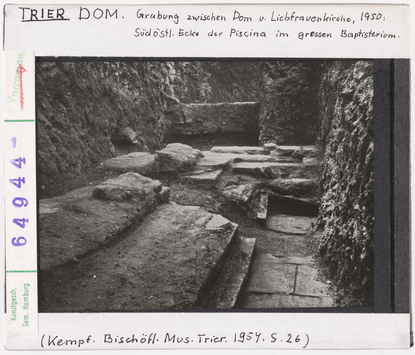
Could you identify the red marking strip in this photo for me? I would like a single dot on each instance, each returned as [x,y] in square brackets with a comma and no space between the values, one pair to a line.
[21,70]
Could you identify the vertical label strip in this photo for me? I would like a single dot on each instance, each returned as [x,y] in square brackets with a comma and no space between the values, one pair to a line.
[20,194]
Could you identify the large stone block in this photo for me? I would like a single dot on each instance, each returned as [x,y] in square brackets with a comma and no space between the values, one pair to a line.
[238,193]
[177,157]
[138,162]
[73,225]
[127,187]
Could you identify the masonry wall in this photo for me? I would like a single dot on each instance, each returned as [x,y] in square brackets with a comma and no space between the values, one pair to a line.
[346,215]
[218,81]
[209,121]
[289,102]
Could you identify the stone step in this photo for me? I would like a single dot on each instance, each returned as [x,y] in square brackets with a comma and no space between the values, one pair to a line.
[295,150]
[240,150]
[275,170]
[215,160]
[259,158]
[224,292]
[289,224]
[227,158]
[165,263]
[202,177]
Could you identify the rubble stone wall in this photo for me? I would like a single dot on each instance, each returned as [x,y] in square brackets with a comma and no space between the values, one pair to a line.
[217,81]
[197,119]
[346,214]
[289,102]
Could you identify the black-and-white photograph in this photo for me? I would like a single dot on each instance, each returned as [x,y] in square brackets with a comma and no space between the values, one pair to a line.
[173,184]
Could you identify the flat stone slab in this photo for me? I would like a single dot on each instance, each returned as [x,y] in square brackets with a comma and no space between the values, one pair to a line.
[73,225]
[270,276]
[308,283]
[139,162]
[163,264]
[212,160]
[215,160]
[307,291]
[203,176]
[218,224]
[289,224]
[273,170]
[327,301]
[266,301]
[259,158]
[240,150]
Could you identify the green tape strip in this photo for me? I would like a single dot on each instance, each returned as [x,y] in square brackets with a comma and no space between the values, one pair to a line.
[19,120]
[14,271]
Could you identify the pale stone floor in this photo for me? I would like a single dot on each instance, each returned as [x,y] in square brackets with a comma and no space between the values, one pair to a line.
[288,280]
